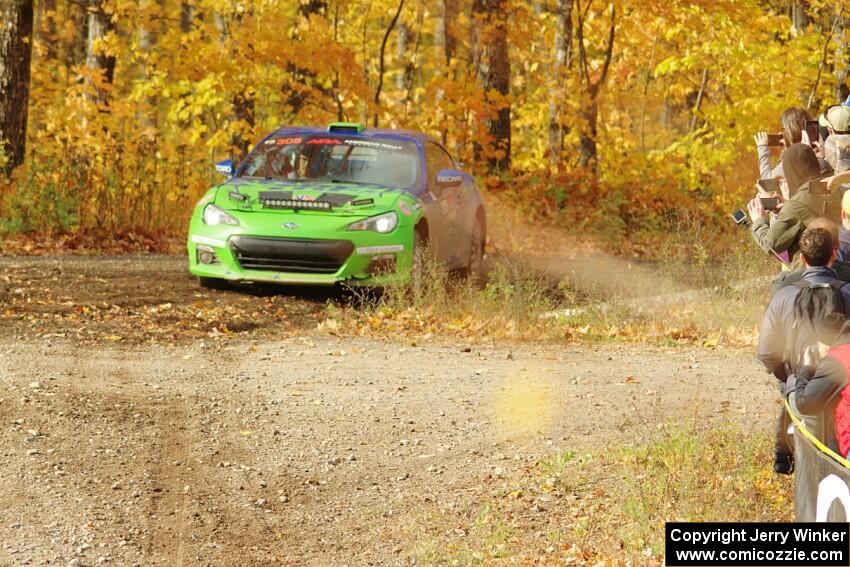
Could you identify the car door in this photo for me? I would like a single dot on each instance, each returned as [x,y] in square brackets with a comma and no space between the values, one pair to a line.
[450,248]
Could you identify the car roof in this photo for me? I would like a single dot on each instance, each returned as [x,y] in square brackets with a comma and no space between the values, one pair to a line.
[384,133]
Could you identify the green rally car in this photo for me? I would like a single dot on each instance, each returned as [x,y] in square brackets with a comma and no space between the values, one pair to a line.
[342,204]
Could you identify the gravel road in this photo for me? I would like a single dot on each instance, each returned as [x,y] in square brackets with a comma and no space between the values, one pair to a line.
[296,448]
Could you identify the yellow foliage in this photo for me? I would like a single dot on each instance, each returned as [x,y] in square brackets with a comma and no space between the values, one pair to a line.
[195,77]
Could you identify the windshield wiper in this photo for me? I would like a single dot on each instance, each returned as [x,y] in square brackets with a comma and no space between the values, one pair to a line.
[353,182]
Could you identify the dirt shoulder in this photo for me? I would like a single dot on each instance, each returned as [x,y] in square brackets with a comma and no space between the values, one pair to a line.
[142,298]
[312,450]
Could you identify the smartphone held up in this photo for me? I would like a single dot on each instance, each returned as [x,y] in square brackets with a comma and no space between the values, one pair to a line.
[813,131]
[770,203]
[769,185]
[775,140]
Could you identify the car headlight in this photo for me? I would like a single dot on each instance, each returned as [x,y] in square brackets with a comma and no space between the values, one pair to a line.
[213,215]
[382,223]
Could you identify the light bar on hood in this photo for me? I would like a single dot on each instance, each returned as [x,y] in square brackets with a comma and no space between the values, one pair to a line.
[296,204]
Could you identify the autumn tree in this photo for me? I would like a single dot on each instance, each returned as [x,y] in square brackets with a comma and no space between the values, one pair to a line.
[560,67]
[381,61]
[593,83]
[800,18]
[494,70]
[98,25]
[16,26]
[502,83]
[445,34]
[301,80]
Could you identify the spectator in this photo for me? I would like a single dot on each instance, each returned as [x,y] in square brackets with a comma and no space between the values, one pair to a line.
[793,122]
[844,235]
[800,208]
[841,268]
[778,336]
[823,393]
[836,146]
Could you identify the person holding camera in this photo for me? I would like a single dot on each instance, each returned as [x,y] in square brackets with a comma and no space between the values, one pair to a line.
[783,347]
[807,197]
[793,121]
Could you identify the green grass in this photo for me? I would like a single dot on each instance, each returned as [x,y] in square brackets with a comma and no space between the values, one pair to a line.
[714,305]
[611,506]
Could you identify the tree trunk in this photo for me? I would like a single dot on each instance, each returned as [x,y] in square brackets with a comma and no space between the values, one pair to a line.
[587,139]
[405,34]
[841,61]
[445,43]
[77,53]
[563,56]
[45,28]
[296,96]
[187,16]
[147,41]
[445,37]
[800,15]
[495,75]
[99,24]
[588,136]
[377,99]
[243,110]
[317,7]
[243,104]
[16,18]
[698,102]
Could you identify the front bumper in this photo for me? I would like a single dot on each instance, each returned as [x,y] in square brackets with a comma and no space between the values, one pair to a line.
[354,257]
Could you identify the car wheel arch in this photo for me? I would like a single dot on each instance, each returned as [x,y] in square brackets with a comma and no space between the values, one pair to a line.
[423,229]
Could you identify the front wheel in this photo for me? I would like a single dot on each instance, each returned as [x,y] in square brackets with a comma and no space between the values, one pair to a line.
[417,270]
[475,266]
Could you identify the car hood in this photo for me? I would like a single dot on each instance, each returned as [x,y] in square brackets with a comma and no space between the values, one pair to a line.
[346,199]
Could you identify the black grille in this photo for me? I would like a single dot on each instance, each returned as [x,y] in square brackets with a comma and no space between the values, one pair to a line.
[292,255]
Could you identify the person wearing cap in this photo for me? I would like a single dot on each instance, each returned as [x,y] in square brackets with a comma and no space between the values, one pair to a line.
[793,122]
[836,145]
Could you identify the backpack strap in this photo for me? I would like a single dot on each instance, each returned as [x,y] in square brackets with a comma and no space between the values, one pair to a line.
[837,285]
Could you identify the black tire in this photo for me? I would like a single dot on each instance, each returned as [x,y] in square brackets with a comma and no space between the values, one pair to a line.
[475,267]
[417,270]
[213,283]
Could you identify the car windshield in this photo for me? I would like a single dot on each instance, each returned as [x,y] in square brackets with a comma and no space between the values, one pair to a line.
[372,161]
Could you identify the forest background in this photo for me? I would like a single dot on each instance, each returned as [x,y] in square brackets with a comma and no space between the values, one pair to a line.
[628,120]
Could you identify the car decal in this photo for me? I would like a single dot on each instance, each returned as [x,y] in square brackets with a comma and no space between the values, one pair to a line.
[376,145]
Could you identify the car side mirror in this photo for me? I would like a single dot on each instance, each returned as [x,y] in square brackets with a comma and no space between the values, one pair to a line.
[225,167]
[448,178]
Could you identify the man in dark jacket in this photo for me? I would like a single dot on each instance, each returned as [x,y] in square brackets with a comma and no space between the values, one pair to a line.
[841,268]
[776,337]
